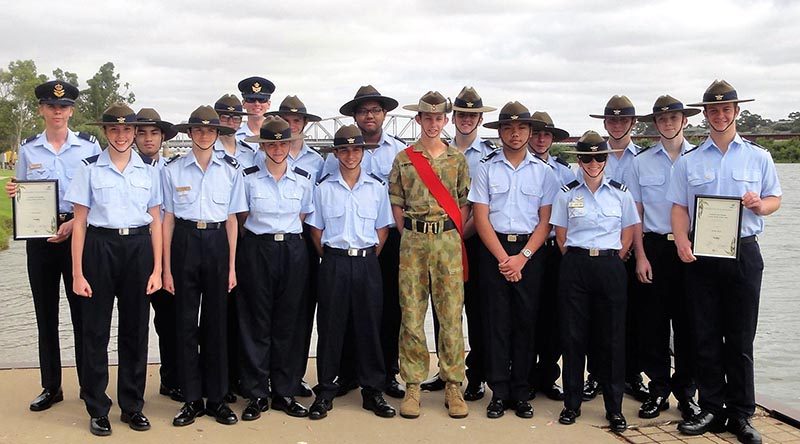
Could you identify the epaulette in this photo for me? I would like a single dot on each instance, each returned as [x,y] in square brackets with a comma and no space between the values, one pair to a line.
[376,177]
[246,145]
[489,156]
[490,144]
[643,150]
[570,186]
[148,160]
[754,144]
[250,170]
[87,137]
[617,185]
[561,161]
[323,178]
[400,140]
[91,159]
[301,172]
[230,160]
[172,159]
[29,139]
[540,159]
[690,150]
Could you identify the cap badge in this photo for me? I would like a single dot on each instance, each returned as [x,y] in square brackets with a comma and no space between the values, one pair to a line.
[230,108]
[719,96]
[206,122]
[664,108]
[514,117]
[278,135]
[433,108]
[351,140]
[256,87]
[294,110]
[58,90]
[121,119]
[469,104]
[593,148]
[617,112]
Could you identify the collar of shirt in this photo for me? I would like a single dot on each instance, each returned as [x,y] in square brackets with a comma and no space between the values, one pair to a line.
[303,151]
[417,146]
[104,160]
[501,157]
[192,160]
[71,140]
[709,142]
[337,176]
[264,173]
[659,148]
[243,131]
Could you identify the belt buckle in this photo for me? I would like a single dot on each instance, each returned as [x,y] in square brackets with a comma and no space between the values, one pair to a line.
[62,217]
[201,225]
[278,237]
[594,252]
[436,228]
[670,237]
[512,237]
[352,252]
[124,231]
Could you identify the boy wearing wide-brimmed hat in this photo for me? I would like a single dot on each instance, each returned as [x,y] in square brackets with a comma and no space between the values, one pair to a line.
[724,293]
[511,197]
[231,112]
[256,93]
[428,188]
[116,251]
[202,194]
[658,266]
[594,220]
[349,226]
[53,154]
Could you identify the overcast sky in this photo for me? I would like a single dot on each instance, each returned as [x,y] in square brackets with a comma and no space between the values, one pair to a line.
[567,58]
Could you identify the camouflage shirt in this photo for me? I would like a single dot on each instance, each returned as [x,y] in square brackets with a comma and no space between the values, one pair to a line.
[407,190]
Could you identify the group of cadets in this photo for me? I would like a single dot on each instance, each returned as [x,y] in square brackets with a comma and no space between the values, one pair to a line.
[241,241]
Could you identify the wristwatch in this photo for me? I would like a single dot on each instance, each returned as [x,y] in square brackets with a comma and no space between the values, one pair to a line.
[527,253]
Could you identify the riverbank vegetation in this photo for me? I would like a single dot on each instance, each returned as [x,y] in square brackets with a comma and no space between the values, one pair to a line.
[5,212]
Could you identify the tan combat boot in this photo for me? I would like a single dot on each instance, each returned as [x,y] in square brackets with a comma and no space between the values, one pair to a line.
[454,401]
[409,407]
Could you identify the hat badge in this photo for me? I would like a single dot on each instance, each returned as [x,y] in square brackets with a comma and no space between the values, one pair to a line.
[58,90]
[278,135]
[230,108]
[617,112]
[206,122]
[719,96]
[470,104]
[351,140]
[294,110]
[593,148]
[514,117]
[664,108]
[256,87]
[433,108]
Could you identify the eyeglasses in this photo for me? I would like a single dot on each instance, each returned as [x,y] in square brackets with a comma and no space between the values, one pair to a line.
[587,158]
[364,111]
[254,100]
[229,118]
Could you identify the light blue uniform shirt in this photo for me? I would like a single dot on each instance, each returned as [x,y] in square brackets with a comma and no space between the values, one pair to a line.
[39,161]
[381,159]
[242,133]
[116,199]
[244,153]
[594,220]
[275,207]
[193,194]
[616,169]
[648,181]
[563,172]
[514,196]
[474,153]
[308,160]
[744,167]
[350,218]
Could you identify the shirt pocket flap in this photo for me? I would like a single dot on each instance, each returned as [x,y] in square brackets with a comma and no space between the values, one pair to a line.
[220,197]
[367,212]
[658,179]
[700,177]
[746,175]
[142,182]
[498,186]
[333,210]
[614,211]
[530,189]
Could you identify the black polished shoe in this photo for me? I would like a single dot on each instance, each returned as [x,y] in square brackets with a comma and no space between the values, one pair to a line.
[135,420]
[188,413]
[523,409]
[555,392]
[305,390]
[474,391]
[375,403]
[222,413]
[174,394]
[346,386]
[230,398]
[46,399]
[702,423]
[254,409]
[653,407]
[100,426]
[394,389]
[496,408]
[638,390]
[434,384]
[616,422]
[568,416]
[288,405]
[590,389]
[744,430]
[319,408]
[688,408]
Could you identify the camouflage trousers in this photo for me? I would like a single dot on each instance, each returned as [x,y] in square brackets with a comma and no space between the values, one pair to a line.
[430,264]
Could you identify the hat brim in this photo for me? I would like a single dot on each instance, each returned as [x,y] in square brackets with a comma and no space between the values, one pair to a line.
[309,117]
[120,123]
[258,139]
[606,151]
[558,133]
[63,102]
[330,149]
[603,116]
[349,108]
[185,127]
[415,107]
[483,109]
[233,113]
[537,124]
[721,101]
[688,112]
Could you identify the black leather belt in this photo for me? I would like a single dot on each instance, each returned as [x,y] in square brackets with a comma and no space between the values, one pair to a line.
[513,238]
[593,252]
[277,237]
[664,237]
[65,217]
[421,226]
[199,225]
[551,242]
[351,252]
[748,239]
[145,229]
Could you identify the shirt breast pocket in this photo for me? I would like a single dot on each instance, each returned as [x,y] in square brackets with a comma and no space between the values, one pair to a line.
[261,202]
[290,204]
[40,171]
[140,190]
[498,187]
[611,218]
[652,187]
[701,180]
[578,216]
[221,198]
[747,180]
[184,199]
[334,217]
[368,214]
[104,191]
[532,198]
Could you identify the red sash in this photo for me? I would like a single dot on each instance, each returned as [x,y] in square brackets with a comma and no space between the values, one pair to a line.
[442,196]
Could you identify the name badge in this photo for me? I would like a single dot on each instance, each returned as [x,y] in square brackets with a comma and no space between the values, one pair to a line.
[576,203]
[183,189]
[34,166]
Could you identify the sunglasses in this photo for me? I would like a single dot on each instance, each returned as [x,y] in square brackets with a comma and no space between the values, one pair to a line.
[254,100]
[586,158]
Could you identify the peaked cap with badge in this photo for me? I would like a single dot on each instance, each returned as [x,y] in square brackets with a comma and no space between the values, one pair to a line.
[293,105]
[348,136]
[273,129]
[117,114]
[367,93]
[431,102]
[617,106]
[56,92]
[204,116]
[149,116]
[515,112]
[558,133]
[720,91]
[231,105]
[592,143]
[256,88]
[668,104]
[468,101]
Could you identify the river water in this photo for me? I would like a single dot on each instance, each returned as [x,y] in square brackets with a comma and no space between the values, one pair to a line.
[777,345]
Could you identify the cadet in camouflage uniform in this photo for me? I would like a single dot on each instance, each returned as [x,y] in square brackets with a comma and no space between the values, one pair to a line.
[430,259]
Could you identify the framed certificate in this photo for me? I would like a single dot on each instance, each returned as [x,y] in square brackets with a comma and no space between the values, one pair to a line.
[716,226]
[35,209]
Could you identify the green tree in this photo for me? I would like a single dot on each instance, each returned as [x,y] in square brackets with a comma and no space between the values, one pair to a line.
[21,107]
[103,90]
[749,122]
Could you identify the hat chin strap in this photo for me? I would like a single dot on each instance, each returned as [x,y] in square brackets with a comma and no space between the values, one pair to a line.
[111,144]
[668,138]
[630,127]
[275,161]
[206,148]
[724,129]
[474,128]
[596,175]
